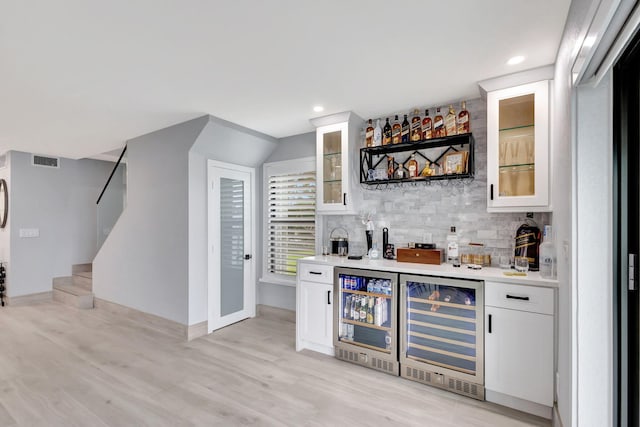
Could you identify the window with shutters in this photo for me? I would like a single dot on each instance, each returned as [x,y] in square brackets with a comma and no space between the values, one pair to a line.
[290,216]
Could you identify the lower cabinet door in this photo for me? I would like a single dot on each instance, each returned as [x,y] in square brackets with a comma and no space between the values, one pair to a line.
[519,354]
[316,322]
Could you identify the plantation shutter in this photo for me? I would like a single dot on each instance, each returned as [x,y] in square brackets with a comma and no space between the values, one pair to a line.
[292,220]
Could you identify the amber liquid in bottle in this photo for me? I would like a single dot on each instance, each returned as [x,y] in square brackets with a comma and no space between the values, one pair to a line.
[464,120]
[386,133]
[404,134]
[438,125]
[450,125]
[427,126]
[412,166]
[416,126]
[391,167]
[396,130]
[368,134]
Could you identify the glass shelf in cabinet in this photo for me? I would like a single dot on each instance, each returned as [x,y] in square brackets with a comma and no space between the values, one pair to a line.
[372,294]
[516,127]
[333,154]
[332,181]
[523,166]
[366,325]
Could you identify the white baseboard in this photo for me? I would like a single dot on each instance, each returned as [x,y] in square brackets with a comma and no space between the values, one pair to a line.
[30,299]
[197,330]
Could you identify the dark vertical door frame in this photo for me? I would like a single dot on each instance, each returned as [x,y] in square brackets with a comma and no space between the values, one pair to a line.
[626,223]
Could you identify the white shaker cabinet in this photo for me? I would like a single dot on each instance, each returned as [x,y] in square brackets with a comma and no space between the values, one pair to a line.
[314,308]
[337,170]
[518,162]
[519,345]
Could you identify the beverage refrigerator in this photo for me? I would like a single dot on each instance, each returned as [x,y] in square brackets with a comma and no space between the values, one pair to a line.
[441,333]
[365,313]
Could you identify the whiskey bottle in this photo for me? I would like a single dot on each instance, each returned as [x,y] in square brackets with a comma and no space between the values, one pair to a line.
[401,173]
[368,135]
[396,129]
[416,126]
[404,135]
[377,134]
[412,166]
[386,133]
[438,125]
[426,171]
[464,120]
[450,126]
[427,126]
[391,167]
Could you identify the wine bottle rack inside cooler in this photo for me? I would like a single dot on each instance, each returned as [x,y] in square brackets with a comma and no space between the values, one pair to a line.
[371,340]
[441,333]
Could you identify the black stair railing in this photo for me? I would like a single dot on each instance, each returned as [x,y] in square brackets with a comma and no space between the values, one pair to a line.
[106,185]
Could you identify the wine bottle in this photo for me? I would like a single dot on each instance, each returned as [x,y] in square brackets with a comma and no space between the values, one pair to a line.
[404,134]
[464,120]
[377,134]
[368,134]
[450,126]
[386,133]
[396,130]
[438,125]
[427,126]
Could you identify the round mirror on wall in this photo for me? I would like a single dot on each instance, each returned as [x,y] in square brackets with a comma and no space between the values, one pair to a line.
[4,203]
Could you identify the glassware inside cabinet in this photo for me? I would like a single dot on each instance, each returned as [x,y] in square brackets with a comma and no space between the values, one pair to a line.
[332,167]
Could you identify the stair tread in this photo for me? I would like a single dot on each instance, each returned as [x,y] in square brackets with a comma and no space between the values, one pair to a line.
[72,289]
[87,274]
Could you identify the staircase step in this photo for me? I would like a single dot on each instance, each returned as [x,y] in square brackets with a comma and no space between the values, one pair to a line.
[66,292]
[79,268]
[83,281]
[87,274]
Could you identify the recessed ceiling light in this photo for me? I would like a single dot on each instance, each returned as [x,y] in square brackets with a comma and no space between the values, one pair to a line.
[318,108]
[515,60]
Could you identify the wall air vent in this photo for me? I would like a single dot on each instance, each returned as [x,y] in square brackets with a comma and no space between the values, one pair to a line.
[46,162]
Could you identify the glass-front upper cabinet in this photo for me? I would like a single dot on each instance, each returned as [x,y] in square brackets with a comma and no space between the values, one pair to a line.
[518,148]
[335,150]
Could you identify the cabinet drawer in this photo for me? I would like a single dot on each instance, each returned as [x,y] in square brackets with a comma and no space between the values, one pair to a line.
[519,297]
[316,273]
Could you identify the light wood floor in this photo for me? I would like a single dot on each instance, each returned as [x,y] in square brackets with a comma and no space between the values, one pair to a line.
[61,366]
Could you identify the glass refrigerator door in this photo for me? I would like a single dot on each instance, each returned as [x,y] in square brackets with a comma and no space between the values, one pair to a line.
[444,325]
[366,311]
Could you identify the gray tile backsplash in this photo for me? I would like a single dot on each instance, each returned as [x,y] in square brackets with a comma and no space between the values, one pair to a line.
[425,212]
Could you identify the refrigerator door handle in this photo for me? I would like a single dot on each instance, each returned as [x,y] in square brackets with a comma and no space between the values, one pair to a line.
[489,323]
[329,297]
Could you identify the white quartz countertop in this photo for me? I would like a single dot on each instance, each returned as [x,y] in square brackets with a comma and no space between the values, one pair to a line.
[444,270]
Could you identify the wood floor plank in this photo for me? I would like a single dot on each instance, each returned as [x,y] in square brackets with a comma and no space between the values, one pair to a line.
[63,366]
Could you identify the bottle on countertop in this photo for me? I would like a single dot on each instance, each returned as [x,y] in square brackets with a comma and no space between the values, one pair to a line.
[427,126]
[450,125]
[396,130]
[386,133]
[464,120]
[377,134]
[548,260]
[416,126]
[368,134]
[438,125]
[412,167]
[453,256]
[404,132]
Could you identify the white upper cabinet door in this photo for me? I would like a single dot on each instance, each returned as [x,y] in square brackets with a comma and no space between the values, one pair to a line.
[518,148]
[332,154]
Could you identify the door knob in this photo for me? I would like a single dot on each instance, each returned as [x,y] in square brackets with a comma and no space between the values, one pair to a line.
[247,256]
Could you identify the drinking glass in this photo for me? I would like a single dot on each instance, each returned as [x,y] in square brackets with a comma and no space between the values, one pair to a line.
[522,264]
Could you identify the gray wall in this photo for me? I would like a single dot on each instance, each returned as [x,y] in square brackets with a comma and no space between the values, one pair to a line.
[61,203]
[143,264]
[293,147]
[415,213]
[225,142]
[5,233]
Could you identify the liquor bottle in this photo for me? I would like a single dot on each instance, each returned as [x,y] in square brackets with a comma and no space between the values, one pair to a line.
[391,167]
[450,126]
[386,133]
[370,310]
[355,308]
[412,166]
[438,125]
[396,130]
[363,309]
[404,134]
[347,307]
[464,120]
[368,135]
[426,171]
[401,173]
[416,126]
[548,259]
[377,134]
[453,256]
[427,126]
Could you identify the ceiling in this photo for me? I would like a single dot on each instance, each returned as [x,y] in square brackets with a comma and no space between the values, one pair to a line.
[79,78]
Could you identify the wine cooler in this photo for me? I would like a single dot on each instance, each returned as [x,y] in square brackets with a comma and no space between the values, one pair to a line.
[365,326]
[441,333]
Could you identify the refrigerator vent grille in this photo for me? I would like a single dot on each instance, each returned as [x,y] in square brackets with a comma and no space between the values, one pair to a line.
[464,387]
[442,380]
[382,365]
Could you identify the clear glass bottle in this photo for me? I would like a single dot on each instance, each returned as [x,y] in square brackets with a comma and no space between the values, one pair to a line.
[453,256]
[377,134]
[548,260]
